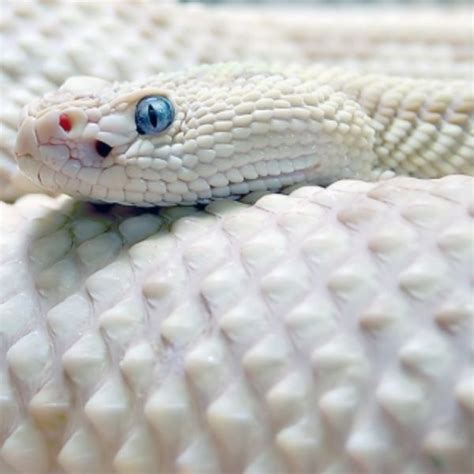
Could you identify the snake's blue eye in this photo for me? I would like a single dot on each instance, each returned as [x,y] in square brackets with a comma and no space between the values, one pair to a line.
[153,115]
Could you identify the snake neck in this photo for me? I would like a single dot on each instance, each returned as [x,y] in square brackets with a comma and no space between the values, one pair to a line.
[422,128]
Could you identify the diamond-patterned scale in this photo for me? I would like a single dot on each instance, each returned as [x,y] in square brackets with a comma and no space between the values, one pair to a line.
[241,338]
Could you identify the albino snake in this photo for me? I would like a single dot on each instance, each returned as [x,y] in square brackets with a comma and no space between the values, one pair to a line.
[324,331]
[228,129]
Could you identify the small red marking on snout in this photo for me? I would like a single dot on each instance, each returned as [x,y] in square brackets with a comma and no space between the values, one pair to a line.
[65,122]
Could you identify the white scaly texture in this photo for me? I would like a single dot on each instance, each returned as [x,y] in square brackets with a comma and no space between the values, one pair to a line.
[325,331]
[244,127]
[45,42]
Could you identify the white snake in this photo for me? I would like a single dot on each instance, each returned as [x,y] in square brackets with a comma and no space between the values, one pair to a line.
[326,331]
[238,128]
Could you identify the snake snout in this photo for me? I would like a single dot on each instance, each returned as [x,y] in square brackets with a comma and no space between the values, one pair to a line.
[26,141]
[38,159]
[43,139]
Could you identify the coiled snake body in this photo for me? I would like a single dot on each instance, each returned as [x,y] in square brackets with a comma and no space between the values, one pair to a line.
[323,330]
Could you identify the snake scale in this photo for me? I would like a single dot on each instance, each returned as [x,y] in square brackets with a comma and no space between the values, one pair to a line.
[324,329]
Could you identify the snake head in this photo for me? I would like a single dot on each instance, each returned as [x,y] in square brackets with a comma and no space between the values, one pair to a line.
[87,139]
[181,138]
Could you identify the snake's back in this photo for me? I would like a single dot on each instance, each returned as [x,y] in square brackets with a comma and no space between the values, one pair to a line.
[326,331]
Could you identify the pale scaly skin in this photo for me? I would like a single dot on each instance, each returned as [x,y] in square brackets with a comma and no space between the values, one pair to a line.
[326,331]
[245,127]
[45,42]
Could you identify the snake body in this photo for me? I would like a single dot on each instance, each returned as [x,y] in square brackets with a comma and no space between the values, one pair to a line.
[323,330]
[326,331]
[239,128]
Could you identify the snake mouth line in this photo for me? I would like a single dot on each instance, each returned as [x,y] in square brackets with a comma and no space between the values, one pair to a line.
[86,185]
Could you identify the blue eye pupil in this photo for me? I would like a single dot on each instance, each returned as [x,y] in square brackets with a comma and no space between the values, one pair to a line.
[153,115]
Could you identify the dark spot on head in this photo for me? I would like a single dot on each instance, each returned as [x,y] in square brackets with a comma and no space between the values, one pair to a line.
[102,148]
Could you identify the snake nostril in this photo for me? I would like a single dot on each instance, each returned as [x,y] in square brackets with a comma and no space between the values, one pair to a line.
[102,148]
[65,122]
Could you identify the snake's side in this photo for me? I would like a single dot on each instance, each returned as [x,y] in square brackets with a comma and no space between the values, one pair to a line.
[325,331]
